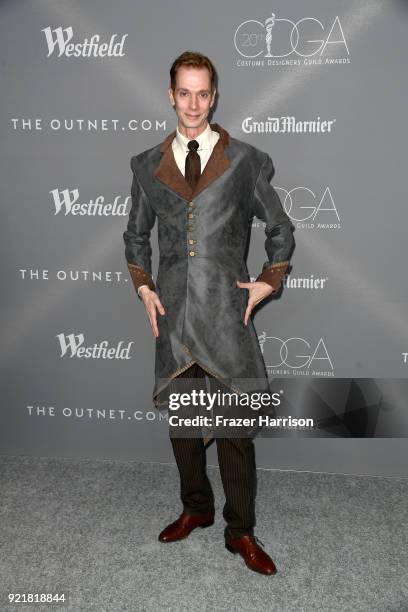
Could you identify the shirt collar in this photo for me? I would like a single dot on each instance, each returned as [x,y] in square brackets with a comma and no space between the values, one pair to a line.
[204,139]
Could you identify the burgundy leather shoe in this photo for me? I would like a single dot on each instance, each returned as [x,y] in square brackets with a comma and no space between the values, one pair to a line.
[184,525]
[255,558]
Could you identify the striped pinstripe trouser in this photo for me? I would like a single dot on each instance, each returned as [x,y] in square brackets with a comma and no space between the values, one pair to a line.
[236,459]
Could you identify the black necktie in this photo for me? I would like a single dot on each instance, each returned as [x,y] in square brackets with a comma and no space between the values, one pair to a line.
[193,164]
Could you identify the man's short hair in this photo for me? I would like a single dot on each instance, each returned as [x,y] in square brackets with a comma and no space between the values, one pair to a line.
[192,59]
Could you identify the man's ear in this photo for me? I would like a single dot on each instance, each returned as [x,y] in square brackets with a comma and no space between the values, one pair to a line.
[171,97]
[213,97]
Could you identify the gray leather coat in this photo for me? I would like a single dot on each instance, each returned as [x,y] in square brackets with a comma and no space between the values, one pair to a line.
[202,238]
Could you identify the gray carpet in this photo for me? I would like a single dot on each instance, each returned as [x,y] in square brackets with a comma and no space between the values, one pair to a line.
[90,528]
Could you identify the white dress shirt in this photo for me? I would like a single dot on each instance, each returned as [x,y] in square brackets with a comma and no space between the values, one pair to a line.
[206,142]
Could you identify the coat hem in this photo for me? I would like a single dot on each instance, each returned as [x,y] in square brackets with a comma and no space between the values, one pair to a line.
[207,440]
[172,376]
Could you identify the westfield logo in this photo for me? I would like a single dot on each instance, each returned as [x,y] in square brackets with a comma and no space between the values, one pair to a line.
[59,40]
[72,345]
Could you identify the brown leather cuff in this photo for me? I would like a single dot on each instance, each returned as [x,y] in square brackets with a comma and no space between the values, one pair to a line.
[273,275]
[140,277]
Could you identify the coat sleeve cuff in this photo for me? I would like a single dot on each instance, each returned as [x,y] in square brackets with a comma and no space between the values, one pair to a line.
[140,277]
[273,275]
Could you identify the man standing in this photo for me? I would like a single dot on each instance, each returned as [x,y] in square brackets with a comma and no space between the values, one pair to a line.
[204,187]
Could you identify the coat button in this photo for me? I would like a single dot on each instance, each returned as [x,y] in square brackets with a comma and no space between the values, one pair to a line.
[192,253]
[191,204]
[190,215]
[191,241]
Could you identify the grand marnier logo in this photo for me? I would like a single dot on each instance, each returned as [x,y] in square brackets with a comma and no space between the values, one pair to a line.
[295,356]
[280,41]
[311,282]
[60,39]
[72,345]
[68,201]
[287,125]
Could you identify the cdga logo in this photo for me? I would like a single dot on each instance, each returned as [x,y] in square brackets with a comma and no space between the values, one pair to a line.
[296,354]
[281,37]
[310,210]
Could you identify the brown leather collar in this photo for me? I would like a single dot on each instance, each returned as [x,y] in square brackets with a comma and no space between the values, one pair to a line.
[169,173]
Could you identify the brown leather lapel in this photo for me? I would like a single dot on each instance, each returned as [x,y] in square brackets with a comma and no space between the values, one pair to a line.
[218,162]
[168,171]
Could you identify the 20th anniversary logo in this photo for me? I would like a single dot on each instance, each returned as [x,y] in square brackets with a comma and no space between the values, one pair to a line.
[279,41]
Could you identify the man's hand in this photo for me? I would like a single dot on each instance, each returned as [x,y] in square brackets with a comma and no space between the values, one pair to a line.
[257,292]
[152,302]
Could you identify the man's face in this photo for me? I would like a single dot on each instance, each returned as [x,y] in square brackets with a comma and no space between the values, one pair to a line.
[192,98]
